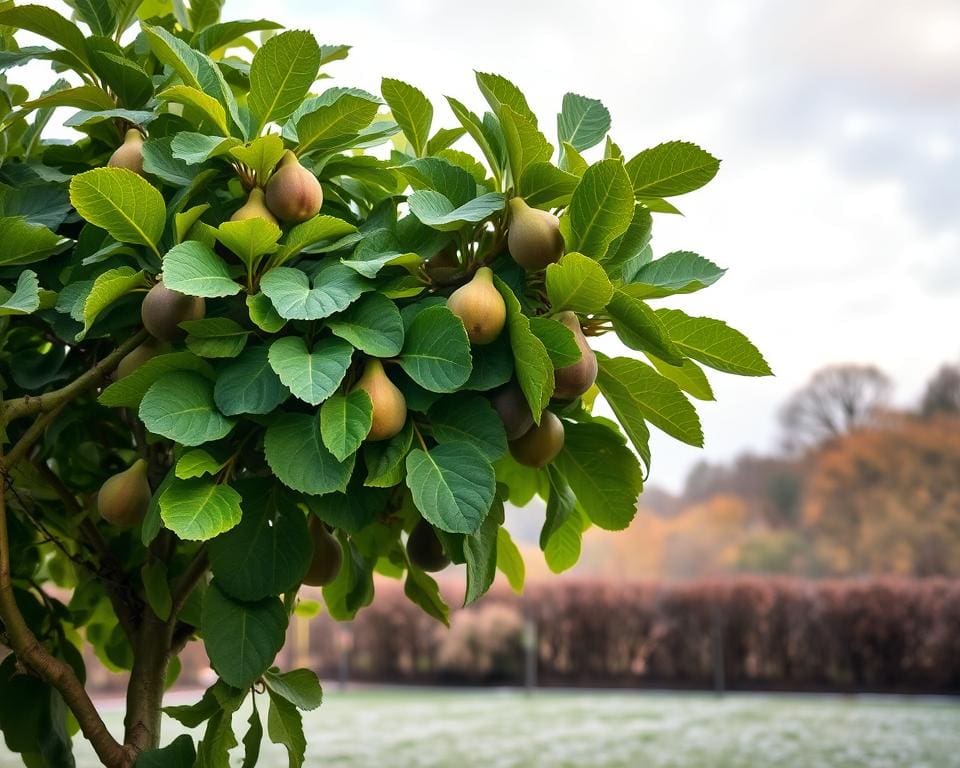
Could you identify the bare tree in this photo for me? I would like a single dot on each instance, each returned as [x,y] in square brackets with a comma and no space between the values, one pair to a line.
[836,400]
[943,392]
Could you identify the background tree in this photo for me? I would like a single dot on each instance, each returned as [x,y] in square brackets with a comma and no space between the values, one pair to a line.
[942,394]
[241,353]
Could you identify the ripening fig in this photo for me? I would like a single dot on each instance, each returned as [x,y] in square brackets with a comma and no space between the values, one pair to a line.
[511,406]
[389,404]
[480,306]
[254,207]
[533,236]
[327,556]
[425,549]
[139,355]
[164,309]
[129,155]
[293,193]
[124,497]
[541,443]
[573,380]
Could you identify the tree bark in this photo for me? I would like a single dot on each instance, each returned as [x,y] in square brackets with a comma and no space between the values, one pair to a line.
[151,659]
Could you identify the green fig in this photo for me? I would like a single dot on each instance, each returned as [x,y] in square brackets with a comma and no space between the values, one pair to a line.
[511,406]
[541,443]
[571,381]
[123,498]
[139,355]
[327,556]
[533,236]
[480,306]
[254,207]
[293,193]
[425,549]
[389,404]
[129,155]
[164,309]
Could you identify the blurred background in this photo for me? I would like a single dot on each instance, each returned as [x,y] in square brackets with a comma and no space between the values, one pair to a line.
[814,543]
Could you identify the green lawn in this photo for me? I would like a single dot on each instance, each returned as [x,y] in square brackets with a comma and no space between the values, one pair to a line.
[425,728]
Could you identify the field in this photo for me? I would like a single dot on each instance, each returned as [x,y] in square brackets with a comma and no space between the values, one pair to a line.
[427,729]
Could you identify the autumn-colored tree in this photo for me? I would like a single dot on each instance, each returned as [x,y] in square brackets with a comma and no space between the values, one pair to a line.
[942,394]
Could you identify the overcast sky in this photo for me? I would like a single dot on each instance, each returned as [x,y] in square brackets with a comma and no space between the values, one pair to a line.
[837,205]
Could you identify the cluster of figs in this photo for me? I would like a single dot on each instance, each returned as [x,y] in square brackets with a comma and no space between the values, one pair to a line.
[292,194]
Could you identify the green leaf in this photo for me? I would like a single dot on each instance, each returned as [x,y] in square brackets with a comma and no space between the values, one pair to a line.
[578,283]
[335,287]
[671,169]
[128,80]
[249,239]
[510,561]
[107,288]
[525,144]
[470,419]
[453,486]
[157,590]
[688,376]
[260,155]
[199,509]
[500,92]
[436,211]
[473,126]
[215,337]
[159,161]
[50,24]
[480,552]
[454,183]
[252,740]
[492,365]
[263,315]
[99,15]
[372,324]
[545,186]
[269,552]
[334,120]
[208,107]
[197,463]
[436,350]
[311,376]
[561,535]
[582,122]
[309,233]
[601,208]
[281,74]
[639,328]
[412,111]
[423,590]
[129,391]
[25,243]
[241,639]
[180,406]
[298,457]
[285,726]
[631,387]
[24,299]
[196,148]
[677,272]
[532,360]
[377,250]
[626,251]
[345,421]
[714,343]
[121,202]
[219,35]
[557,339]
[602,472]
[301,687]
[194,269]
[352,589]
[249,384]
[385,459]
[179,753]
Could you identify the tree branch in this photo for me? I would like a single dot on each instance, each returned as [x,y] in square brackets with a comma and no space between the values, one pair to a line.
[188,580]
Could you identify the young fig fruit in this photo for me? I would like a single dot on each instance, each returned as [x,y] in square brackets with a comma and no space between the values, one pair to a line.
[512,408]
[389,404]
[139,355]
[163,310]
[129,155]
[293,193]
[327,556]
[124,497]
[424,548]
[480,306]
[254,207]
[533,236]
[571,381]
[541,443]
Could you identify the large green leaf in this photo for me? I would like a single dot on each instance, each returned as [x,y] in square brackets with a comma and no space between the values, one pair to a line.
[241,639]
[582,122]
[199,508]
[215,337]
[194,269]
[525,144]
[688,376]
[24,299]
[107,288]
[345,421]
[558,340]
[500,92]
[453,485]
[312,375]
[129,391]
[471,419]
[281,74]
[249,239]
[639,328]
[179,753]
[532,360]
[422,590]
[50,24]
[269,552]
[677,272]
[180,406]
[309,233]
[480,552]
[603,474]
[436,211]
[411,109]
[334,119]
[673,168]
[298,457]
[510,560]
[714,343]
[372,324]
[121,202]
[207,107]
[26,243]
[601,208]
[334,289]
[285,727]
[300,687]
[436,350]
[578,283]
[249,384]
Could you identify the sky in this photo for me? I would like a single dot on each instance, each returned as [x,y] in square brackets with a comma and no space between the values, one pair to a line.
[837,205]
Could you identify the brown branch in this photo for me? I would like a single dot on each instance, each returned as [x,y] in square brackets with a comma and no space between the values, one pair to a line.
[188,581]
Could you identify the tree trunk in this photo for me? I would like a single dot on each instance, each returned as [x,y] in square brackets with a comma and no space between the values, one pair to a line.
[151,657]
